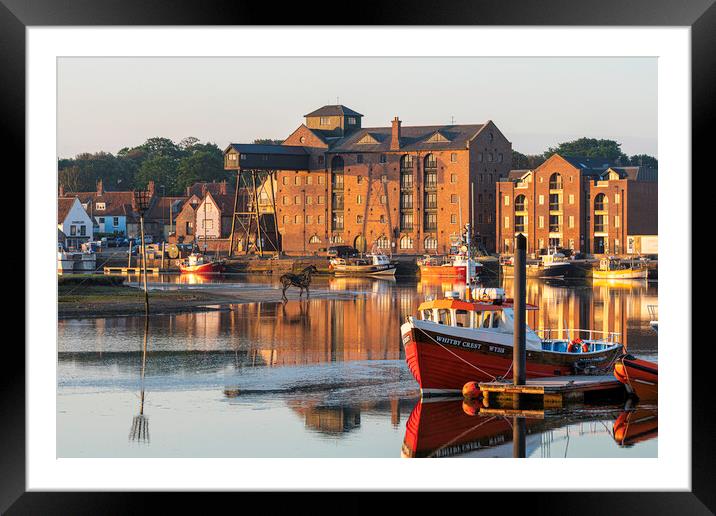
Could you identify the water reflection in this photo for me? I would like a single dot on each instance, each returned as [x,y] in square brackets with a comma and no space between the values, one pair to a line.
[453,428]
[636,425]
[140,423]
[332,365]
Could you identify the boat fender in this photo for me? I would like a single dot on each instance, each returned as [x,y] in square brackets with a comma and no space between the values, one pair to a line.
[585,347]
[471,390]
[574,345]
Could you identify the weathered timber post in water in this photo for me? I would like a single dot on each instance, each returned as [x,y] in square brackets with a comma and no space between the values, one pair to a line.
[142,199]
[519,351]
[519,437]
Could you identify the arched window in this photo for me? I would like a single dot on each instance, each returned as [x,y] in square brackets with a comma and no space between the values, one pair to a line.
[406,242]
[600,202]
[520,203]
[431,243]
[337,173]
[314,240]
[431,161]
[337,239]
[555,181]
[360,244]
[382,242]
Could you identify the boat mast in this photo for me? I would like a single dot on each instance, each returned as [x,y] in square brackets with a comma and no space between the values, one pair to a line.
[468,294]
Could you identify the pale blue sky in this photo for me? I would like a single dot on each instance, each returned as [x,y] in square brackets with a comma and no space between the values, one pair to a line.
[109,103]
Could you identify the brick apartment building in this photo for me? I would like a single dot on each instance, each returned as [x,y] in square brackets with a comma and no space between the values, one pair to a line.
[585,204]
[402,188]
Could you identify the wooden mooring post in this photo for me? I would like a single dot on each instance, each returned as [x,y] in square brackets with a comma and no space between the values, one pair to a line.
[519,351]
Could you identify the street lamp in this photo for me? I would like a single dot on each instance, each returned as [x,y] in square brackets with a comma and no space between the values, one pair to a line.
[142,199]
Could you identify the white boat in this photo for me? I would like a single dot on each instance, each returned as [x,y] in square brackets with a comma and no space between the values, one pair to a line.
[75,261]
[374,264]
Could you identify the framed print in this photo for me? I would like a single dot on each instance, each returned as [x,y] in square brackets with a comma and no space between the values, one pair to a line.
[294,255]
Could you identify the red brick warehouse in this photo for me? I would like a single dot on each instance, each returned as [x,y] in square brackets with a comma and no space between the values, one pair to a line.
[403,188]
[588,205]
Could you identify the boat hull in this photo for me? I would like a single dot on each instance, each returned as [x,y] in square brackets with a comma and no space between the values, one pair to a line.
[640,376]
[443,364]
[203,268]
[554,271]
[446,271]
[621,274]
[364,270]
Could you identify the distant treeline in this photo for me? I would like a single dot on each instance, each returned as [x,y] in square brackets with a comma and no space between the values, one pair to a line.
[587,148]
[174,166]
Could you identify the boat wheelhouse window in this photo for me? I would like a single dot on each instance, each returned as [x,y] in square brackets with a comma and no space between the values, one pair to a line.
[476,319]
[444,316]
[486,320]
[427,315]
[462,318]
[495,320]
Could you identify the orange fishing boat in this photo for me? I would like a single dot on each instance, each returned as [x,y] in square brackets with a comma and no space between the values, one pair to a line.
[640,377]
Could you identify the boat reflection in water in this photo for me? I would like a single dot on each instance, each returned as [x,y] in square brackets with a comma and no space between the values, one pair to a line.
[457,428]
[636,425]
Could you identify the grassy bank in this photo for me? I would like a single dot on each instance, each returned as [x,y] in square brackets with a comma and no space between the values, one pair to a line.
[75,299]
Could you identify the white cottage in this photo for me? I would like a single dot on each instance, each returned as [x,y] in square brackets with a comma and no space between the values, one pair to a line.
[73,221]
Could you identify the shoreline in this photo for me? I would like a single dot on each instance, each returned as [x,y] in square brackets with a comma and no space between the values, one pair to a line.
[127,301]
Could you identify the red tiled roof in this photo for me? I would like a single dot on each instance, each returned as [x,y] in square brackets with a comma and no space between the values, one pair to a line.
[64,205]
[116,203]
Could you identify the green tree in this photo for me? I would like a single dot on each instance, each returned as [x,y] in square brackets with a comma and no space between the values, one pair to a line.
[644,160]
[267,141]
[590,148]
[160,169]
[202,165]
[526,161]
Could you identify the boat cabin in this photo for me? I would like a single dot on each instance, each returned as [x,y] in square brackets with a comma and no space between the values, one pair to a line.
[493,313]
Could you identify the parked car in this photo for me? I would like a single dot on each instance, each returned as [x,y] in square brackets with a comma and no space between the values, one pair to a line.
[342,251]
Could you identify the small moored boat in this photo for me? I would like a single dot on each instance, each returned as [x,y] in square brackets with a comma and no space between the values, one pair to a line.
[551,265]
[197,263]
[454,267]
[611,268]
[375,264]
[451,342]
[640,377]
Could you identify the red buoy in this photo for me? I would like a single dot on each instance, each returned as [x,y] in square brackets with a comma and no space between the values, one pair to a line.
[471,406]
[471,390]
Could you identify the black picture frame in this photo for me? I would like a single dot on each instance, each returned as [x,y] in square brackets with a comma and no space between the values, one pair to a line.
[16,15]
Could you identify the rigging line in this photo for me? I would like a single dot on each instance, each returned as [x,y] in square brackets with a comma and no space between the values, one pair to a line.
[460,435]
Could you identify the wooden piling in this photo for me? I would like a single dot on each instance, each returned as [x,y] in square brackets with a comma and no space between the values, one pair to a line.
[519,351]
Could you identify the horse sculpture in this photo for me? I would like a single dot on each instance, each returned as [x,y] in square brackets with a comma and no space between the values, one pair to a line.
[301,280]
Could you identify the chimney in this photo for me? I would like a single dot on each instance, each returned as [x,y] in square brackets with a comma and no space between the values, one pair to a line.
[223,187]
[395,136]
[62,190]
[150,188]
[100,188]
[203,189]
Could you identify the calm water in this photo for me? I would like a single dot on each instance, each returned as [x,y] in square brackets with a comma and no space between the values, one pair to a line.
[321,378]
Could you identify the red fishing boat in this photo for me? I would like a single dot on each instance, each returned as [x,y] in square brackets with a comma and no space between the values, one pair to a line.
[641,377]
[451,342]
[199,264]
[443,429]
[454,267]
